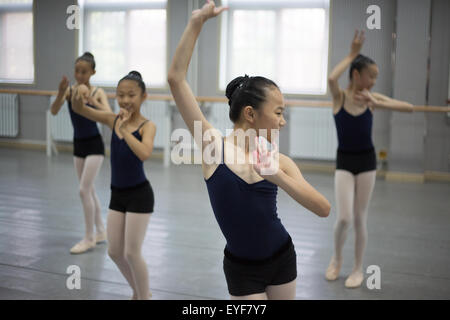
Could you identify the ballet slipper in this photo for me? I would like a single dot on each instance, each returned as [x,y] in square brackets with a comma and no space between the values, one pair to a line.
[333,270]
[354,280]
[82,247]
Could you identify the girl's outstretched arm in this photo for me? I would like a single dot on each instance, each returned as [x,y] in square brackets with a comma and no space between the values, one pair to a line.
[80,95]
[379,101]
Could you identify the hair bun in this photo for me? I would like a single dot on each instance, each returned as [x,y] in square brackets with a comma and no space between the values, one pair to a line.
[234,85]
[135,74]
[88,54]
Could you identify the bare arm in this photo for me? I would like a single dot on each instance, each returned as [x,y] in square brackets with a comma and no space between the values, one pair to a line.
[292,181]
[181,91]
[379,101]
[78,105]
[142,149]
[100,101]
[282,171]
[384,102]
[63,91]
[357,43]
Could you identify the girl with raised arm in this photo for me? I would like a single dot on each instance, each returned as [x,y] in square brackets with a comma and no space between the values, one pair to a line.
[356,160]
[88,148]
[132,196]
[259,258]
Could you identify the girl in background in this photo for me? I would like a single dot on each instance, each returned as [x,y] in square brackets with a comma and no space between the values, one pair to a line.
[88,148]
[356,160]
[132,196]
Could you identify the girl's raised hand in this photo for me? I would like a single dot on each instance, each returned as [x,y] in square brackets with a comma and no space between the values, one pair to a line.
[63,85]
[83,91]
[265,163]
[208,11]
[77,100]
[357,42]
[93,101]
[365,97]
[124,117]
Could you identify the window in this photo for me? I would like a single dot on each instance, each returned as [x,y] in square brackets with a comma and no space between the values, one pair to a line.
[16,41]
[286,41]
[125,36]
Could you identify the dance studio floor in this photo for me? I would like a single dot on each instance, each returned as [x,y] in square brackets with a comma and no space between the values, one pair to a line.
[41,219]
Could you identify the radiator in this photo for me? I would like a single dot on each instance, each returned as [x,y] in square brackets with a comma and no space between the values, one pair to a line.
[312,133]
[158,112]
[60,125]
[9,115]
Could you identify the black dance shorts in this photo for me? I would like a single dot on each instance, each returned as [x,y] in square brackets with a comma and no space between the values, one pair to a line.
[357,162]
[137,199]
[88,146]
[245,277]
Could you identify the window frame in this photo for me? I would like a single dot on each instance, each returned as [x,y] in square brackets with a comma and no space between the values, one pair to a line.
[224,29]
[122,6]
[21,7]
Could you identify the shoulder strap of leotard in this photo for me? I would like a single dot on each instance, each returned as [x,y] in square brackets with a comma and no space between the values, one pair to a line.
[93,93]
[223,150]
[139,128]
[70,93]
[114,125]
[343,98]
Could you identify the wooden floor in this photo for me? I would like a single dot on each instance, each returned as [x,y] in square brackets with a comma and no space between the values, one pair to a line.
[41,219]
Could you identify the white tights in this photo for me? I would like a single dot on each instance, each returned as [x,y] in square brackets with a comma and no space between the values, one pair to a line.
[87,170]
[353,194]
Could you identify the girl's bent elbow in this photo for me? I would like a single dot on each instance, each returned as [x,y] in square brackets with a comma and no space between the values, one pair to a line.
[145,156]
[325,212]
[173,78]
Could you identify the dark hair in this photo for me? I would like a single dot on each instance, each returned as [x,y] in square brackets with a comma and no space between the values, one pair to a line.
[88,57]
[135,76]
[359,63]
[246,91]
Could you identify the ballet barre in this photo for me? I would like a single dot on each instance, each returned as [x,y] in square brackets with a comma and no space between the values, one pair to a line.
[205,99]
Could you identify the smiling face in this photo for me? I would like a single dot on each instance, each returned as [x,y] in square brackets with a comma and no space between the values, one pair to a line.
[83,71]
[367,78]
[130,96]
